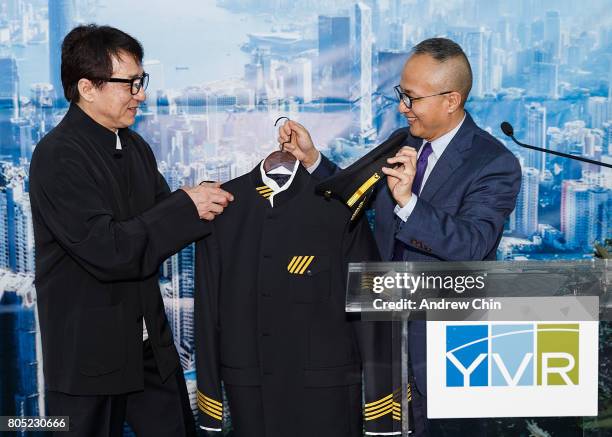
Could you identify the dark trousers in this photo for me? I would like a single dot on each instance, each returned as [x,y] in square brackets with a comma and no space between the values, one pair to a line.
[160,410]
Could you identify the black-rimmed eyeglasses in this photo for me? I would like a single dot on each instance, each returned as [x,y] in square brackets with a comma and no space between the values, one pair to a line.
[402,96]
[136,84]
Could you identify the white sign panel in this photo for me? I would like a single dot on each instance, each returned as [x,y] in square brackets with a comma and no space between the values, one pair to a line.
[511,369]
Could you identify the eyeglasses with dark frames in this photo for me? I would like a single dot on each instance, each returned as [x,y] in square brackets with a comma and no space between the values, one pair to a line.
[136,83]
[404,97]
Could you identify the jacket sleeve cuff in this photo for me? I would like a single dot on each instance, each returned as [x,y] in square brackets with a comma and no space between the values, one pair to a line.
[211,412]
[174,222]
[405,211]
[325,169]
[314,166]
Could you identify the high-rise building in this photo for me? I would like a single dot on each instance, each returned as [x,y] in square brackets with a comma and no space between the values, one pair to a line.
[22,136]
[600,214]
[22,388]
[7,231]
[610,92]
[607,139]
[24,235]
[597,108]
[536,135]
[186,346]
[301,80]
[9,100]
[219,169]
[525,214]
[186,268]
[61,16]
[552,34]
[544,79]
[475,48]
[575,213]
[9,86]
[363,66]
[334,65]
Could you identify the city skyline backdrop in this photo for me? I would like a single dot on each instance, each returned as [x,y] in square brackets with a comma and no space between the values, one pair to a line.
[222,72]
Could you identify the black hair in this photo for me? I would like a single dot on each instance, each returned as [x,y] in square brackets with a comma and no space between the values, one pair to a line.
[444,49]
[88,51]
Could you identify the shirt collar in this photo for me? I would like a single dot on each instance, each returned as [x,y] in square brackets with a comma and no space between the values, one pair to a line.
[272,183]
[86,125]
[439,145]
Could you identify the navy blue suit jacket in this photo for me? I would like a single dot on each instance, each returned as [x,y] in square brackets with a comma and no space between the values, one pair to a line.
[459,215]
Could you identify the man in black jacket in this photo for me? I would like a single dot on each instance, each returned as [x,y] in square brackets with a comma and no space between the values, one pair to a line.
[104,220]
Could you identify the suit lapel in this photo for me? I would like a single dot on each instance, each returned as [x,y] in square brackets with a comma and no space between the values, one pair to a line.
[451,159]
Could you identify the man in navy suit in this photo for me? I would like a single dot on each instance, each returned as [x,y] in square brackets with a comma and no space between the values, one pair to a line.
[449,189]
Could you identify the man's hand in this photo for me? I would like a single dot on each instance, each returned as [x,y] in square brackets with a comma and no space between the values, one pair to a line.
[401,177]
[209,198]
[301,145]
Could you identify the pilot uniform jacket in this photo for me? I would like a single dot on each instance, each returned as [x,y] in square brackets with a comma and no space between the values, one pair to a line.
[104,220]
[270,318]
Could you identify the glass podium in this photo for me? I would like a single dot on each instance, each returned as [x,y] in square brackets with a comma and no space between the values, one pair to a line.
[512,340]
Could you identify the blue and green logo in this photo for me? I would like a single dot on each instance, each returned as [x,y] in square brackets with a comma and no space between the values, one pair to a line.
[530,354]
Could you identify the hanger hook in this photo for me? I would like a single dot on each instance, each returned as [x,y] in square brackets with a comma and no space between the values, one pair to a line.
[282,146]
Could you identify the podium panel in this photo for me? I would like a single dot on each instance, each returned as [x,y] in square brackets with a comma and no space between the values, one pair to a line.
[499,339]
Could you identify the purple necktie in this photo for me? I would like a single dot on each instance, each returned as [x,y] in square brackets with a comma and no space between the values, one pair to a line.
[420,168]
[398,249]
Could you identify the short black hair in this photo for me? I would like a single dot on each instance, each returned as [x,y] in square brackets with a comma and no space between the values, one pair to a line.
[88,51]
[443,50]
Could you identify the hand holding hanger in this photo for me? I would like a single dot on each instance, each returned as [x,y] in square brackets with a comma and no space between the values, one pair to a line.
[296,140]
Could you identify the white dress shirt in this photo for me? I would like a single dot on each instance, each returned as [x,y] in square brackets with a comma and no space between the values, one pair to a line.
[272,183]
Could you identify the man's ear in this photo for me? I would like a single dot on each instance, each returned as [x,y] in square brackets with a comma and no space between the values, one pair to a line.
[87,90]
[454,101]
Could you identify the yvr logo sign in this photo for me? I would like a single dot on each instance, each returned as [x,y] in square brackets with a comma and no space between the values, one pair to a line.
[526,354]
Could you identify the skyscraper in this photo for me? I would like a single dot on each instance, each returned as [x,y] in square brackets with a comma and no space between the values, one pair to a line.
[22,388]
[597,108]
[536,135]
[7,231]
[363,66]
[600,214]
[301,80]
[575,213]
[22,136]
[610,93]
[544,79]
[607,140]
[9,85]
[552,34]
[334,66]
[526,211]
[24,235]
[475,47]
[61,15]
[9,100]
